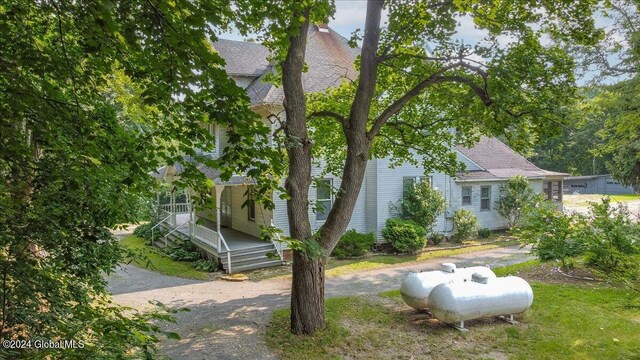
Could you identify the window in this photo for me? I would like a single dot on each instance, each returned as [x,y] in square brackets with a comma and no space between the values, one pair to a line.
[251,205]
[409,181]
[485,198]
[324,199]
[211,128]
[466,195]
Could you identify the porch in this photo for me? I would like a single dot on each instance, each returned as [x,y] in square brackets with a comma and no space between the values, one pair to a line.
[235,239]
[227,230]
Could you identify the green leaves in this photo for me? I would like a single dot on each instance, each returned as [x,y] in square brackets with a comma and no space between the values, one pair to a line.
[95,97]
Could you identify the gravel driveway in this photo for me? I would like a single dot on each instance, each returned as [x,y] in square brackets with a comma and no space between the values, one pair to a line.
[227,319]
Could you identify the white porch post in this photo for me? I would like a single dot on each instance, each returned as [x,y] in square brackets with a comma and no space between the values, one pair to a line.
[219,189]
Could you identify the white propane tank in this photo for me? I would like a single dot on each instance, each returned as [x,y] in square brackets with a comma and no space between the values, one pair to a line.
[456,302]
[415,287]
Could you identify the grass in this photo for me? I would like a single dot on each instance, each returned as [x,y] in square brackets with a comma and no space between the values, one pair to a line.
[584,199]
[565,322]
[336,267]
[154,259]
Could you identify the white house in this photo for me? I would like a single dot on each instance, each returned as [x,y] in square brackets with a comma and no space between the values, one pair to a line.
[233,238]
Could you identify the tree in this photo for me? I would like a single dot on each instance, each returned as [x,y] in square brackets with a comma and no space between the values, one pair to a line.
[515,197]
[423,204]
[96,95]
[602,135]
[614,108]
[407,99]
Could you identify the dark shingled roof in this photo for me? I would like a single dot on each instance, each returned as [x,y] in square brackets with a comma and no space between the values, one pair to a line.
[329,60]
[499,161]
[243,58]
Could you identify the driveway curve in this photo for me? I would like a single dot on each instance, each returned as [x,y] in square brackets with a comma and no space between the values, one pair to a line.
[227,319]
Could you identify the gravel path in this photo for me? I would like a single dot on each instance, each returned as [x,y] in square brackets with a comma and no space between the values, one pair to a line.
[226,319]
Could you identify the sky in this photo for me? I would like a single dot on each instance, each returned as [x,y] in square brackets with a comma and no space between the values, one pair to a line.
[350,15]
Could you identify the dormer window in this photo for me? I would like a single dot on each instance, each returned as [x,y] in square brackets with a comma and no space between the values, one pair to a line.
[323,28]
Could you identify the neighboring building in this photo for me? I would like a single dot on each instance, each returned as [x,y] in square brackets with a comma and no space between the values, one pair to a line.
[595,184]
[489,164]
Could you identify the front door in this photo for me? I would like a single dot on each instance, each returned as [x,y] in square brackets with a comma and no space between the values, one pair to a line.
[225,207]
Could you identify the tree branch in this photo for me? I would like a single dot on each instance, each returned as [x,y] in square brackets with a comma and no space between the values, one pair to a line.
[328,113]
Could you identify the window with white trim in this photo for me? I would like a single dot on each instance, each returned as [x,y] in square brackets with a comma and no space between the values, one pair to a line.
[466,195]
[324,198]
[485,198]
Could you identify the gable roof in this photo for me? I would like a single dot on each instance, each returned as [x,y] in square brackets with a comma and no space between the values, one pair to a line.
[499,161]
[328,56]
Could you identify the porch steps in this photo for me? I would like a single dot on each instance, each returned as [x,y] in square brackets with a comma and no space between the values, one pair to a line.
[250,258]
[172,239]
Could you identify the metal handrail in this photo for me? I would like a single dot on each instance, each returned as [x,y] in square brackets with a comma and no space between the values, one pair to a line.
[174,230]
[156,225]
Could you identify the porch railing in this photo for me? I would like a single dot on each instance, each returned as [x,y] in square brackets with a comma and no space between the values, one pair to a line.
[165,216]
[277,243]
[213,239]
[181,208]
[185,224]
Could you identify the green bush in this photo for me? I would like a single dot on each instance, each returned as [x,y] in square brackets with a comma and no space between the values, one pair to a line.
[484,233]
[405,236]
[554,235]
[436,238]
[465,224]
[613,241]
[422,204]
[204,265]
[353,243]
[185,252]
[516,196]
[143,231]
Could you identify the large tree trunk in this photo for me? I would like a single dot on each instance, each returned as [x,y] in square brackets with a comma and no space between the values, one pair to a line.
[307,289]
[307,294]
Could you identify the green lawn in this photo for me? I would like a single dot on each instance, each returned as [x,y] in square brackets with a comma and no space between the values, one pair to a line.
[584,199]
[565,322]
[337,267]
[154,259]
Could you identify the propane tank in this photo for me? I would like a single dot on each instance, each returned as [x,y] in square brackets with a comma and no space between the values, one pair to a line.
[415,287]
[455,302]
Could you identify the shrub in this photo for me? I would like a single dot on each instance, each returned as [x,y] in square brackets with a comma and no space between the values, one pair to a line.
[186,251]
[436,238]
[353,243]
[554,235]
[204,265]
[465,224]
[143,231]
[405,236]
[422,204]
[484,233]
[515,197]
[612,241]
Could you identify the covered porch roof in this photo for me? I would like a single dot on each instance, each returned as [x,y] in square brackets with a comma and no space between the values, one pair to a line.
[171,172]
